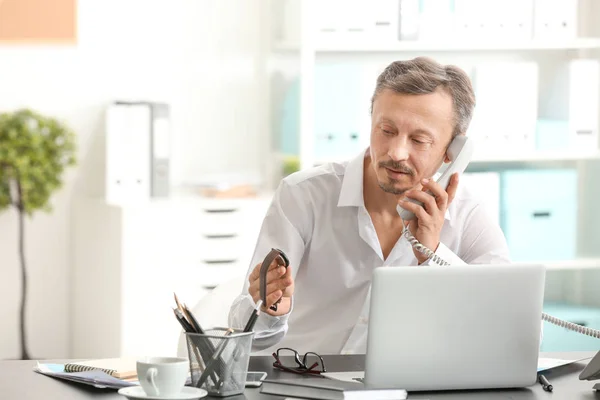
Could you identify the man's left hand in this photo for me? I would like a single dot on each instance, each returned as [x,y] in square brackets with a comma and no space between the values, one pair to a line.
[430,217]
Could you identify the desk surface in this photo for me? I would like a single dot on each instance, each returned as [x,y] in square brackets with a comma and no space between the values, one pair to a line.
[18,381]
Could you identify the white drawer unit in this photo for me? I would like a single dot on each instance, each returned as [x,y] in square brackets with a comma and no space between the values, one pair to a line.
[128,261]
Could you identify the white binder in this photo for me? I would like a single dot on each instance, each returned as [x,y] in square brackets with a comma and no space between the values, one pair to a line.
[505,118]
[555,19]
[127,153]
[584,103]
[160,167]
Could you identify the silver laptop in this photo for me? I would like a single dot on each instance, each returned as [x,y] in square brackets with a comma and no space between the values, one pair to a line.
[460,327]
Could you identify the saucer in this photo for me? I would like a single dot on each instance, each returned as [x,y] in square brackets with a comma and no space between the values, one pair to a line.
[187,393]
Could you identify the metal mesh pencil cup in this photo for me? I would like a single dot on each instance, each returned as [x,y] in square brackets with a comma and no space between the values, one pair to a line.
[219,362]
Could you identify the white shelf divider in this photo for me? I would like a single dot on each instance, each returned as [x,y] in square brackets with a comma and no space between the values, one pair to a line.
[533,157]
[576,264]
[539,156]
[457,45]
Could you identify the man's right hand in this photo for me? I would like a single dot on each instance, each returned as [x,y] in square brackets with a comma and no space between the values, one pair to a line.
[280,284]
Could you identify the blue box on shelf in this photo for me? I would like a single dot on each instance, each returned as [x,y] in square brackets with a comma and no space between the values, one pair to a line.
[341,111]
[289,140]
[559,339]
[539,214]
[551,134]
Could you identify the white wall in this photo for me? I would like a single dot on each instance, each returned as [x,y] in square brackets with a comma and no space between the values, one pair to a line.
[199,56]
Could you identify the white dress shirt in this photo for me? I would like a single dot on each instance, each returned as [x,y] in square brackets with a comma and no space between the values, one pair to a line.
[318,218]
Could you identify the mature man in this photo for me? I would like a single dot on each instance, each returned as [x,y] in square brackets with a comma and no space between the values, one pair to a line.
[337,222]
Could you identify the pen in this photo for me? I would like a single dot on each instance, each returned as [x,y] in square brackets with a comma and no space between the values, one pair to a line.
[545,384]
[192,320]
[253,317]
[182,321]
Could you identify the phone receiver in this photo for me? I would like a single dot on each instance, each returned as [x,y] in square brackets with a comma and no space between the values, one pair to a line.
[459,152]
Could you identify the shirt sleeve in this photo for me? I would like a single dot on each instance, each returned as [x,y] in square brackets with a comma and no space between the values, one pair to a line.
[482,242]
[286,226]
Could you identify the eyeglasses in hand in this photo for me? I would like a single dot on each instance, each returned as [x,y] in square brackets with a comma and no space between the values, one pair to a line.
[309,363]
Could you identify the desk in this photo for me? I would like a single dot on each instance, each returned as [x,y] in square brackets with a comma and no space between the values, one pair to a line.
[18,381]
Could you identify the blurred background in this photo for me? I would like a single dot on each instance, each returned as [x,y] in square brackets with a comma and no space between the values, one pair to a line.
[187,113]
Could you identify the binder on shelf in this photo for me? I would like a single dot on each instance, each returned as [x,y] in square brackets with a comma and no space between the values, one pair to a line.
[409,20]
[376,20]
[435,19]
[503,122]
[555,19]
[137,152]
[573,99]
[342,119]
[160,144]
[384,20]
[584,103]
[513,19]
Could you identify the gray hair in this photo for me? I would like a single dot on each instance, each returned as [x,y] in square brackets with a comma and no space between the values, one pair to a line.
[423,75]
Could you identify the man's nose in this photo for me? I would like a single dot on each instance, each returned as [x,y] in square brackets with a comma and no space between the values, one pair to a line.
[398,150]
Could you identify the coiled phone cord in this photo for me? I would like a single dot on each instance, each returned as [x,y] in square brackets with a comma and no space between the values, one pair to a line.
[571,326]
[421,248]
[546,317]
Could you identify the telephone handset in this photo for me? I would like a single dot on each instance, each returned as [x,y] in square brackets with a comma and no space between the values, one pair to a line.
[459,152]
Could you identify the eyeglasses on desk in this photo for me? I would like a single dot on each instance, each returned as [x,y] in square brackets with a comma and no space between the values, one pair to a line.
[309,363]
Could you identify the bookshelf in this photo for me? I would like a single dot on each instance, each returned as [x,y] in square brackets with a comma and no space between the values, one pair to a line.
[297,54]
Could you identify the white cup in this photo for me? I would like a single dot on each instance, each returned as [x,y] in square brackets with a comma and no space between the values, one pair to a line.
[162,376]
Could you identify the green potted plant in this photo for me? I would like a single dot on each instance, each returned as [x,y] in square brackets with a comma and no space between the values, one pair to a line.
[35,150]
[291,164]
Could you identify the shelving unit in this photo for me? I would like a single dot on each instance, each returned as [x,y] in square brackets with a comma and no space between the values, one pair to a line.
[297,56]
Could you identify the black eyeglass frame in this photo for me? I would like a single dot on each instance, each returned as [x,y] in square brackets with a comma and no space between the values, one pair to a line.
[302,367]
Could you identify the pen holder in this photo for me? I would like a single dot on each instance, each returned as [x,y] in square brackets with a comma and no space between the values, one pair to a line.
[219,361]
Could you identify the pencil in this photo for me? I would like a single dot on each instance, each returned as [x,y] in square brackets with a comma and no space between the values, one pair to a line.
[253,317]
[177,302]
[214,361]
[193,321]
[184,323]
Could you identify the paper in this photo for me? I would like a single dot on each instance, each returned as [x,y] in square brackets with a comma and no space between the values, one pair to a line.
[549,363]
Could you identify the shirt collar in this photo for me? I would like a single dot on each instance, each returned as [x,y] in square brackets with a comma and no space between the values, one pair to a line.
[351,193]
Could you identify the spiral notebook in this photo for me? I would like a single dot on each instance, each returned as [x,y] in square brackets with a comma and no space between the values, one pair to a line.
[96,377]
[121,368]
